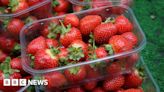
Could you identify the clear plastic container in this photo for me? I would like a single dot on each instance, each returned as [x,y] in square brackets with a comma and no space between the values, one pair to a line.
[149,84]
[28,34]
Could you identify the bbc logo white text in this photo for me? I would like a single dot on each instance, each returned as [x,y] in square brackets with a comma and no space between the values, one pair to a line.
[23,82]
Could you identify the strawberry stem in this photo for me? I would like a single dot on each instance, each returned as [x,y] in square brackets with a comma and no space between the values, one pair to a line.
[64,29]
[109,49]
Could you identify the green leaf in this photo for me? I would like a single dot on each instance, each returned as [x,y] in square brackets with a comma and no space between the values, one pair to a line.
[52,35]
[75,53]
[13,4]
[54,51]
[109,49]
[55,3]
[74,70]
[64,29]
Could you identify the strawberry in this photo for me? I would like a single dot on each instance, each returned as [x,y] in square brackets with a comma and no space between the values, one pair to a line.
[134,79]
[51,29]
[8,44]
[63,56]
[99,3]
[120,44]
[77,8]
[89,23]
[90,85]
[131,37]
[2,56]
[103,32]
[6,72]
[30,19]
[123,24]
[101,52]
[4,2]
[55,80]
[133,90]
[68,33]
[132,60]
[60,5]
[33,2]
[71,19]
[46,58]
[52,43]
[14,26]
[60,13]
[77,50]
[36,44]
[98,89]
[75,89]
[113,68]
[75,74]
[114,83]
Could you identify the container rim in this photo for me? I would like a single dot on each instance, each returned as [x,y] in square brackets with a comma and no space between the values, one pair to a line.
[34,71]
[83,3]
[26,10]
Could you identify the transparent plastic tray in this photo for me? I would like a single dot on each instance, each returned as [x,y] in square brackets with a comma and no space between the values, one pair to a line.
[104,12]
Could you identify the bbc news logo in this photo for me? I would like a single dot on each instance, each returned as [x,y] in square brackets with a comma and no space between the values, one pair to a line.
[23,82]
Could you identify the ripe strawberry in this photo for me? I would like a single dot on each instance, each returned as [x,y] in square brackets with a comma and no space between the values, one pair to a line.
[77,50]
[114,68]
[114,84]
[68,33]
[99,3]
[131,37]
[36,44]
[75,74]
[89,23]
[132,60]
[4,2]
[8,45]
[34,26]
[77,8]
[63,56]
[123,24]
[133,90]
[134,79]
[18,5]
[120,44]
[46,58]
[2,56]
[101,52]
[14,26]
[33,2]
[52,43]
[55,80]
[60,5]
[98,89]
[51,29]
[103,32]
[60,13]
[75,89]
[90,85]
[71,19]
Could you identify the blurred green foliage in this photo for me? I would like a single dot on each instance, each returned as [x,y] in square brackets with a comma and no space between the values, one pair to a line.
[150,14]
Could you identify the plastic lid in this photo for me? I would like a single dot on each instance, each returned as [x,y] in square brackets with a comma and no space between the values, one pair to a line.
[105,2]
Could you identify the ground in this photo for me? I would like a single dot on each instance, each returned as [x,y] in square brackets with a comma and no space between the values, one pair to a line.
[150,15]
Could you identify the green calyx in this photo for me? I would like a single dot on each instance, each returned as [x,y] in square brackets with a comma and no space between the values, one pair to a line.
[64,29]
[5,22]
[92,56]
[63,61]
[54,30]
[75,53]
[109,48]
[74,70]
[110,20]
[13,4]
[54,51]
[28,20]
[55,3]
[32,58]
[92,41]
[6,68]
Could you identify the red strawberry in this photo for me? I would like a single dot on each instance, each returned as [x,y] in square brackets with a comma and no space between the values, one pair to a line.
[75,74]
[98,89]
[63,55]
[52,43]
[90,85]
[113,68]
[4,2]
[2,56]
[55,79]
[36,44]
[134,79]
[60,13]
[132,60]
[120,44]
[75,89]
[103,32]
[133,90]
[77,50]
[16,64]
[33,2]
[77,8]
[131,37]
[8,44]
[71,19]
[34,26]
[51,29]
[14,26]
[60,5]
[114,84]
[123,24]
[101,52]
[46,58]
[89,23]
[18,5]
[68,33]
[99,3]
